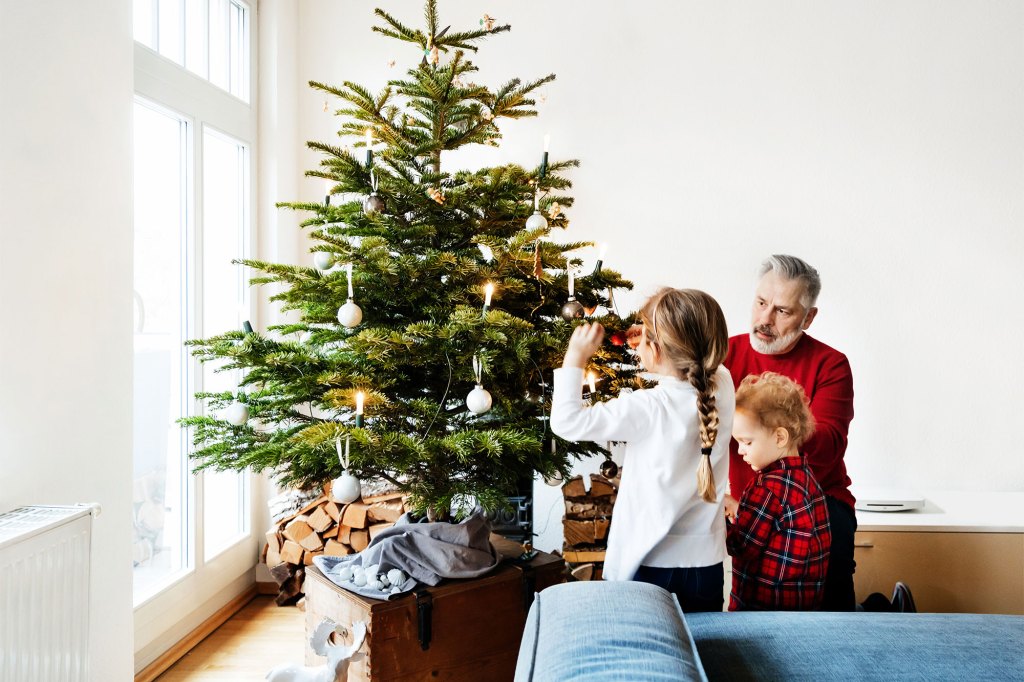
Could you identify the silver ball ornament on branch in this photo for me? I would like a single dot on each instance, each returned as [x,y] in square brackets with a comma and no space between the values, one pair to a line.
[323,260]
[373,204]
[608,468]
[572,310]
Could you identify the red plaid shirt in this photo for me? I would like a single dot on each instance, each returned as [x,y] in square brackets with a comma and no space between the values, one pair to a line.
[780,541]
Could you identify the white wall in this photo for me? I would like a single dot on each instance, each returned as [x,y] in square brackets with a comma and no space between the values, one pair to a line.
[66,282]
[880,141]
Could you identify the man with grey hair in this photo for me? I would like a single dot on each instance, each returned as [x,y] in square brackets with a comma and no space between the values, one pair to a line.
[784,307]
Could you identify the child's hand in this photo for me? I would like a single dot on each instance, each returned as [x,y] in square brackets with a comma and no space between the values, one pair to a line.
[583,343]
[633,335]
[732,507]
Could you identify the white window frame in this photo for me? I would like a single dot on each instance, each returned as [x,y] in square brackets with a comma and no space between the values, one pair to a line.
[195,594]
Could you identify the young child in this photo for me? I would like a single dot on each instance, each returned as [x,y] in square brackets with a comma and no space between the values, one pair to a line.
[779,536]
[669,525]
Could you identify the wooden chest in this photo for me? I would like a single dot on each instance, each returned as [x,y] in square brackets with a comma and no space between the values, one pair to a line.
[459,630]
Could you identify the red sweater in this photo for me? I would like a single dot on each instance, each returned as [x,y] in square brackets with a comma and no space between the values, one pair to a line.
[824,373]
[780,541]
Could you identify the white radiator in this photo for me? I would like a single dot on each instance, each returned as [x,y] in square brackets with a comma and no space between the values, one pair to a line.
[44,593]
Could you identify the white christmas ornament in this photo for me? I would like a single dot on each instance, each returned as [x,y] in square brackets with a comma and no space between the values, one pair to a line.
[486,252]
[237,414]
[346,488]
[344,574]
[359,579]
[350,314]
[396,577]
[479,400]
[323,260]
[537,221]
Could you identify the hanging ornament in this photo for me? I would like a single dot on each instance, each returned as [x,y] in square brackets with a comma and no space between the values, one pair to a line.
[391,63]
[479,400]
[486,252]
[554,210]
[373,204]
[350,315]
[608,468]
[325,107]
[572,310]
[346,488]
[538,266]
[435,55]
[323,260]
[556,478]
[487,116]
[612,308]
[617,338]
[435,194]
[237,414]
[542,99]
[487,22]
[537,221]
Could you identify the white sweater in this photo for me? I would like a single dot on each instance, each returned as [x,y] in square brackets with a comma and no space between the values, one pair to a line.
[659,518]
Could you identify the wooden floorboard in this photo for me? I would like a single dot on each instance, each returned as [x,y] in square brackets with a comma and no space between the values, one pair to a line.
[257,638]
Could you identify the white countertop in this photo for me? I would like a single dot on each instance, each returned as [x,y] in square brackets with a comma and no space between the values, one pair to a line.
[956,512]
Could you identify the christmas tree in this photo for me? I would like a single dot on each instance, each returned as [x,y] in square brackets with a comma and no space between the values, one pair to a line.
[422,357]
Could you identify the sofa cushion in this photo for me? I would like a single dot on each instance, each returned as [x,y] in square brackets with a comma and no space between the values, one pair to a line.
[602,631]
[858,646]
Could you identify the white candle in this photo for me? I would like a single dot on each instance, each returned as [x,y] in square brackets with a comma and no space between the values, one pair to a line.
[360,398]
[592,381]
[327,187]
[349,269]
[488,292]
[547,142]
[604,250]
[572,282]
[369,137]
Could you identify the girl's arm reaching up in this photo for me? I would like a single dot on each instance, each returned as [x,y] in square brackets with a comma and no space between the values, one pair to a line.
[625,418]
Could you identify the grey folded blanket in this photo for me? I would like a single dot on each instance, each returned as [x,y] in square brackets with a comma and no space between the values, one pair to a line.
[423,552]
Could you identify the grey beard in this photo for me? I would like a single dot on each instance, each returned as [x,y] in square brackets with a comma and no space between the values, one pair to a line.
[774,347]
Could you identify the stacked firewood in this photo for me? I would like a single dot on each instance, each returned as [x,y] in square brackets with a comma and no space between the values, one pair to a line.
[588,516]
[322,526]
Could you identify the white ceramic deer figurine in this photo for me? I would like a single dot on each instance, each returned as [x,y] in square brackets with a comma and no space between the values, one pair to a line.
[338,656]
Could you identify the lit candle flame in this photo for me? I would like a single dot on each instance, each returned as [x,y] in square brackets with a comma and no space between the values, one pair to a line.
[369,137]
[360,398]
[488,292]
[547,141]
[592,381]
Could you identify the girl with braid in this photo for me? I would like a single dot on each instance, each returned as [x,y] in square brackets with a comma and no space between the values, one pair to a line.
[669,523]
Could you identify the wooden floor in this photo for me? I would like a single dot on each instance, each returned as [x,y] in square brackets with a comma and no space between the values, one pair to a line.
[257,638]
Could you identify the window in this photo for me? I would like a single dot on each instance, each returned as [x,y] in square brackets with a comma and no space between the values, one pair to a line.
[210,38]
[194,149]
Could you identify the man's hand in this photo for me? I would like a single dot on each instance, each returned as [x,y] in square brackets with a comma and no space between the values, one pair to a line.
[583,343]
[732,507]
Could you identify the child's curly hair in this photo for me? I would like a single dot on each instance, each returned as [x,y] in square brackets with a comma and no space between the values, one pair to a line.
[777,401]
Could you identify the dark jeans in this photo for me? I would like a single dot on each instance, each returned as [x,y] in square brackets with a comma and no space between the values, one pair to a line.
[697,589]
[839,594]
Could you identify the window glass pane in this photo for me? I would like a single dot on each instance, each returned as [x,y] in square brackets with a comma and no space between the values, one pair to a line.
[239,50]
[225,221]
[144,20]
[220,45]
[159,444]
[171,31]
[196,15]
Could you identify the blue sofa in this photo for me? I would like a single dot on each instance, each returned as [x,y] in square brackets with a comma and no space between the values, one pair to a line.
[603,631]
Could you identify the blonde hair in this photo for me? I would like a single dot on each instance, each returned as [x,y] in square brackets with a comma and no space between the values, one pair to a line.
[777,401]
[689,328]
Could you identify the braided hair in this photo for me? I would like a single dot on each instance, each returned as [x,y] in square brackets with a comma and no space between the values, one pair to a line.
[690,329]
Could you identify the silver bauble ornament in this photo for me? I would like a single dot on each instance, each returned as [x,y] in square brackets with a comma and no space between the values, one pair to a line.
[323,260]
[572,310]
[609,469]
[479,400]
[346,489]
[537,221]
[554,480]
[373,204]
[350,315]
[237,414]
